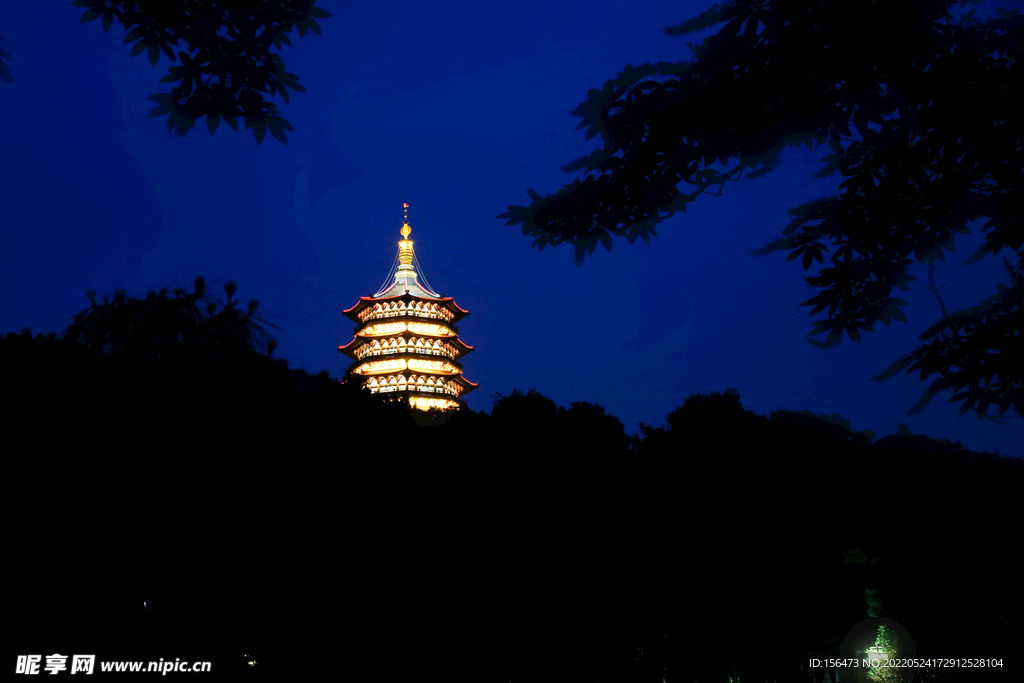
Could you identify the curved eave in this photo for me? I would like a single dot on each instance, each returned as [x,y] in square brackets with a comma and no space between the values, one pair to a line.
[468,386]
[458,308]
[361,304]
[347,348]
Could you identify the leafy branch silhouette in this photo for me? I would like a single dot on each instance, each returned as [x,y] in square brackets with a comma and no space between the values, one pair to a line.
[228,65]
[917,124]
[163,325]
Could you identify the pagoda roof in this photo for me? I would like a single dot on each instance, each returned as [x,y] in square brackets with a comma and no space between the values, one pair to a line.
[348,349]
[402,285]
[467,386]
[406,296]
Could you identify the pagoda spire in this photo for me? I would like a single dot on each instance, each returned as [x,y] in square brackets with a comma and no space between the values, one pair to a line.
[406,271]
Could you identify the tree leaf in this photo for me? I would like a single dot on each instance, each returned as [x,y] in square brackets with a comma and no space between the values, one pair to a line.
[280,38]
[982,408]
[279,122]
[716,14]
[808,256]
[260,128]
[278,134]
[796,253]
[160,110]
[903,279]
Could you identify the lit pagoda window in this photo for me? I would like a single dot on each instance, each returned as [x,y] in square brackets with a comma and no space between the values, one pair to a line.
[384,345]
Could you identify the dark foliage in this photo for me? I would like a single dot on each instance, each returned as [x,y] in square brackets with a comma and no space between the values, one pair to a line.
[162,457]
[228,64]
[931,103]
[161,326]
[733,535]
[975,352]
[158,454]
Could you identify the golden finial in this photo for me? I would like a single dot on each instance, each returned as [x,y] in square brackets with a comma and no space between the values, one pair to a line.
[405,223]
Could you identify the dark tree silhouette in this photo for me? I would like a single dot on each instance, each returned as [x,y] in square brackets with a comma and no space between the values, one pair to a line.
[936,146]
[5,72]
[188,468]
[973,351]
[162,325]
[593,432]
[163,422]
[519,414]
[774,512]
[548,560]
[228,64]
[738,521]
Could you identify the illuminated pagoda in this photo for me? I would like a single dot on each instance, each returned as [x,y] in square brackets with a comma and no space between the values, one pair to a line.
[405,343]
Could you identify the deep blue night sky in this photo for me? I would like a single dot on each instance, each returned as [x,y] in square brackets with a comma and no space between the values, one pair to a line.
[456,108]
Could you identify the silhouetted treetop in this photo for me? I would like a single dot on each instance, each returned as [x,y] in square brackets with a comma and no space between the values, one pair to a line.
[228,65]
[524,409]
[914,100]
[165,324]
[731,397]
[591,428]
[833,425]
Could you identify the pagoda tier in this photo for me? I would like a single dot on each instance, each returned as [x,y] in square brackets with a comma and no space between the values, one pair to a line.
[405,342]
[406,305]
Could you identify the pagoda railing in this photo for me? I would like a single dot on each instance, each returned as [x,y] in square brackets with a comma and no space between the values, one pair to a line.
[412,387]
[370,314]
[390,351]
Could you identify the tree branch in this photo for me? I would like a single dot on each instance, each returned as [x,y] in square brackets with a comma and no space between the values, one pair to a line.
[935,290]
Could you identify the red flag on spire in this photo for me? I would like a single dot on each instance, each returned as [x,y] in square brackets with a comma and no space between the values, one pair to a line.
[405,205]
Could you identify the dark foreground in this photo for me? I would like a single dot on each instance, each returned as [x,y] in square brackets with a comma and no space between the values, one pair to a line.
[261,512]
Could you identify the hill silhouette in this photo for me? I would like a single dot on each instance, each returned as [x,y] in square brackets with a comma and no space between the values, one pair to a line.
[262,510]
